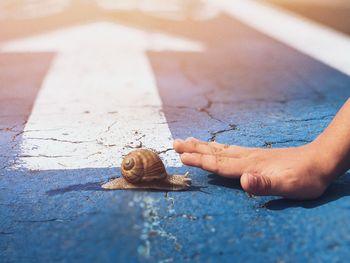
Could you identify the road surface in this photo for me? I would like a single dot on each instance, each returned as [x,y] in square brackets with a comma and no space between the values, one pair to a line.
[83,83]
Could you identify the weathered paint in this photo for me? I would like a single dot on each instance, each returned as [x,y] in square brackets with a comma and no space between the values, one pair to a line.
[98,98]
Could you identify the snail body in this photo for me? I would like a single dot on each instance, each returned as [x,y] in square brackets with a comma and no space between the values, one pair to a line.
[143,169]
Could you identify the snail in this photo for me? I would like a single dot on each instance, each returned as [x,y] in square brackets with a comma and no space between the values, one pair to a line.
[143,169]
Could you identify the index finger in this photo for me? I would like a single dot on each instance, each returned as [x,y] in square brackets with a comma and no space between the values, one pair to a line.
[192,145]
[225,166]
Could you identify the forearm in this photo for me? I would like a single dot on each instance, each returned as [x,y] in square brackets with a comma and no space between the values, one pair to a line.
[334,142]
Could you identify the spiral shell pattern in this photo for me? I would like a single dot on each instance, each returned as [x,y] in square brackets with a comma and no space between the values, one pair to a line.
[143,165]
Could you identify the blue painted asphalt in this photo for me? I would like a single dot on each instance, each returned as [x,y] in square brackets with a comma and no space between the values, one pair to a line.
[257,92]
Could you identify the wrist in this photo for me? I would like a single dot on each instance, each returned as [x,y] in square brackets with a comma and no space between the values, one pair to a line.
[331,155]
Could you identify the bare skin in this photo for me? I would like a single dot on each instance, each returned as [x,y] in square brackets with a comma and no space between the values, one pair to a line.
[300,173]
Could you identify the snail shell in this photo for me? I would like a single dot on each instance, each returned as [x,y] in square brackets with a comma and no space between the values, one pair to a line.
[143,169]
[143,166]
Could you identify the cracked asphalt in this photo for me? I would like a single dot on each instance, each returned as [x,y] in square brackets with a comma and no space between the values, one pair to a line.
[243,88]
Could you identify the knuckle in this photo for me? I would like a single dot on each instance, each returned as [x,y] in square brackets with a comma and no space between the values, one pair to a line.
[218,163]
[266,183]
[193,144]
[202,159]
[210,163]
[214,148]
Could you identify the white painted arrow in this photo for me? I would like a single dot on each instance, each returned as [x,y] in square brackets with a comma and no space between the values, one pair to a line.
[99,95]
[315,40]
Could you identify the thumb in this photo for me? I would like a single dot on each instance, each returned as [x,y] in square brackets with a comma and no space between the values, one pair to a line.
[256,184]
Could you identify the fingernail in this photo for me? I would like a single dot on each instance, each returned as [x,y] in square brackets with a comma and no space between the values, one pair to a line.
[178,140]
[252,180]
[191,139]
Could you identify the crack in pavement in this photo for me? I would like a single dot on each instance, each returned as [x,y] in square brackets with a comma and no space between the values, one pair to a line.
[9,163]
[208,106]
[92,154]
[164,151]
[25,131]
[206,109]
[312,119]
[39,221]
[248,101]
[58,140]
[100,142]
[42,155]
[110,126]
[232,127]
[6,233]
[5,167]
[7,129]
[270,144]
[56,219]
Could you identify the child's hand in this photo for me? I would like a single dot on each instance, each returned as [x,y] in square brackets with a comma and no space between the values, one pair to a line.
[297,173]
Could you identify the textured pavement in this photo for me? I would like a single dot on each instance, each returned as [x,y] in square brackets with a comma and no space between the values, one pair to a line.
[244,88]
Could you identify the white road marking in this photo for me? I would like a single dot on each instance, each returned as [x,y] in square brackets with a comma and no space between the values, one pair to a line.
[320,42]
[30,9]
[170,9]
[98,96]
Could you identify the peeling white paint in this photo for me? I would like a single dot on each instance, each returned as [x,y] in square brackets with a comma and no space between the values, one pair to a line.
[99,96]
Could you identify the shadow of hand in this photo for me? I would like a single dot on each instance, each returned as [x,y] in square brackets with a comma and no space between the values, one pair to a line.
[214,179]
[336,190]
